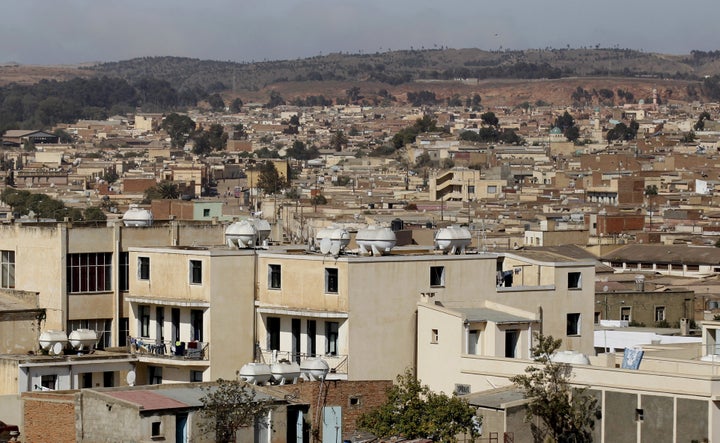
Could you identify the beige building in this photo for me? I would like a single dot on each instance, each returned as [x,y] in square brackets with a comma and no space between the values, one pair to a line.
[460,184]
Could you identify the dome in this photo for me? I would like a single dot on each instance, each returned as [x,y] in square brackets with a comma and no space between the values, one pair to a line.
[570,357]
[556,131]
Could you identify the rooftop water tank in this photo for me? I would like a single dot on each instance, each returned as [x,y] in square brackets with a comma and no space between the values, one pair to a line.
[53,341]
[453,239]
[314,369]
[255,373]
[283,373]
[375,240]
[570,357]
[82,339]
[137,217]
[332,240]
[247,233]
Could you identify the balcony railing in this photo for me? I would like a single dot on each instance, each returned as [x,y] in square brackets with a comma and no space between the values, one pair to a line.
[338,363]
[193,350]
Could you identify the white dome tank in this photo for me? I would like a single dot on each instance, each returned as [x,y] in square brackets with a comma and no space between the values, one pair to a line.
[82,339]
[137,217]
[570,357]
[314,369]
[283,373]
[263,229]
[255,373]
[332,240]
[375,240]
[453,239]
[49,338]
[241,235]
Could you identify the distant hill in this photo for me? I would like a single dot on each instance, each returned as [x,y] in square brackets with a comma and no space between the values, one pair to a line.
[401,67]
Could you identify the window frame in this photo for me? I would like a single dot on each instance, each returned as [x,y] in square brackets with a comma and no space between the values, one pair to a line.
[434,336]
[660,309]
[331,280]
[89,272]
[332,336]
[274,276]
[629,311]
[573,326]
[143,268]
[574,280]
[7,268]
[195,269]
[437,276]
[144,321]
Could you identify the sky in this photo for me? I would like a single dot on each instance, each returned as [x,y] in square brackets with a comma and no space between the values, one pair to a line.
[50,32]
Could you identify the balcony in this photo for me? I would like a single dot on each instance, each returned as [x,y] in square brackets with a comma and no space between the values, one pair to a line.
[148,349]
[338,363]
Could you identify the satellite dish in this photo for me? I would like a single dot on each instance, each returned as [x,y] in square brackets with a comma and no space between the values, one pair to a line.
[130,378]
[57,348]
[325,245]
[335,248]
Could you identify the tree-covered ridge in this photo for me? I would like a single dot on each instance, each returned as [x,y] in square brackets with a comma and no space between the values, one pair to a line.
[397,67]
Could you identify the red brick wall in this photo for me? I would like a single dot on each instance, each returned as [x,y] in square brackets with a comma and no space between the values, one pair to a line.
[48,418]
[371,394]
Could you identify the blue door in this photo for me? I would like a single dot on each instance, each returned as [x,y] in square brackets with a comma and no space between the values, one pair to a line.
[332,424]
[181,428]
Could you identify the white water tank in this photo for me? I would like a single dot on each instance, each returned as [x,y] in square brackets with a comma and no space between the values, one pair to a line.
[332,240]
[375,240]
[82,339]
[453,239]
[137,217]
[247,233]
[284,373]
[314,369]
[50,338]
[255,373]
[570,357]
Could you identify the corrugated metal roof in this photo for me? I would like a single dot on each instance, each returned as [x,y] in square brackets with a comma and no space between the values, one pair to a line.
[149,400]
[673,254]
[495,399]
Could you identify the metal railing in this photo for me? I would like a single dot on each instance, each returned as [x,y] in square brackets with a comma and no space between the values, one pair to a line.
[338,363]
[192,350]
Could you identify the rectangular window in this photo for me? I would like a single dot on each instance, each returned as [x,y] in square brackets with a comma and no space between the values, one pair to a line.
[274,277]
[195,272]
[160,323]
[48,381]
[124,331]
[659,313]
[196,324]
[471,191]
[434,335]
[144,316]
[473,342]
[155,375]
[7,263]
[437,276]
[89,272]
[512,337]
[331,280]
[124,271]
[206,213]
[108,379]
[573,324]
[144,268]
[273,333]
[311,338]
[156,430]
[196,376]
[574,280]
[492,189]
[175,320]
[597,318]
[331,337]
[626,313]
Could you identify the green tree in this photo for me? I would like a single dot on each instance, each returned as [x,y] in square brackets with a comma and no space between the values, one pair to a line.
[216,102]
[239,132]
[275,100]
[217,137]
[236,105]
[490,119]
[412,411]
[201,143]
[567,414]
[229,406]
[270,181]
[651,190]
[338,140]
[165,190]
[179,127]
[94,213]
[353,94]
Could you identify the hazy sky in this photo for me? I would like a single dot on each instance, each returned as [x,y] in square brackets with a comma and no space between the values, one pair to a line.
[73,31]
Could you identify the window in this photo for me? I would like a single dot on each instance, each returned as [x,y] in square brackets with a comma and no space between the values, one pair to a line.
[108,379]
[597,317]
[144,321]
[273,333]
[574,280]
[311,338]
[89,272]
[473,341]
[331,280]
[160,323]
[331,337]
[155,375]
[471,191]
[573,324]
[626,313]
[434,336]
[124,331]
[175,323]
[206,212]
[48,381]
[512,338]
[196,324]
[492,189]
[7,263]
[355,400]
[196,376]
[124,271]
[195,272]
[274,277]
[156,429]
[144,268]
[659,313]
[437,276]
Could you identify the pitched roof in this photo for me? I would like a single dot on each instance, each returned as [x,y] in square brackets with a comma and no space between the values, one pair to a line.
[672,254]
